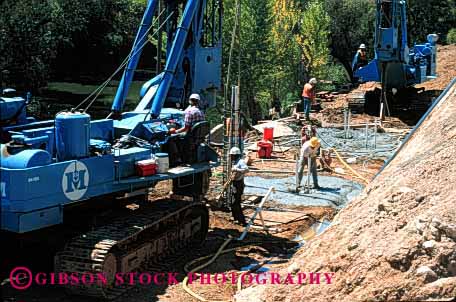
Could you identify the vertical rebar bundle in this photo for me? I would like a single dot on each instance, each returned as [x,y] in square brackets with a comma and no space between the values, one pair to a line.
[232,136]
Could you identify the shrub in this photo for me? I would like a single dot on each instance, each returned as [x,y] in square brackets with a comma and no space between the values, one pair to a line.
[451,36]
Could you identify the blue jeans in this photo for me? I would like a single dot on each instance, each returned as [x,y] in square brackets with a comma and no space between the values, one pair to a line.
[306,106]
[313,169]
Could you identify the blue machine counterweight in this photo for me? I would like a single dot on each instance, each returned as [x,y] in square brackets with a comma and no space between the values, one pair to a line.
[73,161]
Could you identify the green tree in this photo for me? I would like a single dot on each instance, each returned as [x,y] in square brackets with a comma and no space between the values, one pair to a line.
[428,17]
[39,39]
[313,38]
[352,23]
[254,49]
[451,37]
[300,38]
[28,41]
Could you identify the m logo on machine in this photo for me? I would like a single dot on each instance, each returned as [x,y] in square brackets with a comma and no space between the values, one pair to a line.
[75,180]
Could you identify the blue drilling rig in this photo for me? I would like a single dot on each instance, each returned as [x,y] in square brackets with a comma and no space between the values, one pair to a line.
[72,162]
[396,66]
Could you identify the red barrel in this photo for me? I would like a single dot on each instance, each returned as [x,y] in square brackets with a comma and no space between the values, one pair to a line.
[268,133]
[264,149]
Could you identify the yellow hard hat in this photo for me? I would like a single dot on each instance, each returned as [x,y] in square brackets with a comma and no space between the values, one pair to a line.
[314,142]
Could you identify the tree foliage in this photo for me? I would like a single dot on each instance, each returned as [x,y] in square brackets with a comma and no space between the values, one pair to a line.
[352,23]
[301,44]
[313,37]
[282,42]
[253,48]
[39,39]
[451,37]
[428,17]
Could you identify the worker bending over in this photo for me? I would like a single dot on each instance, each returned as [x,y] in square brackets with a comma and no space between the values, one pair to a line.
[360,58]
[238,171]
[308,96]
[309,149]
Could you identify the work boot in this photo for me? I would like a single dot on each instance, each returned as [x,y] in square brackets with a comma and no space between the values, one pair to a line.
[317,187]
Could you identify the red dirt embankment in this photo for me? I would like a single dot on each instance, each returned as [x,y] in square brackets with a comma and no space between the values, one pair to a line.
[395,242]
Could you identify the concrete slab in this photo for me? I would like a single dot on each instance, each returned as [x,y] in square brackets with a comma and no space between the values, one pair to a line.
[336,192]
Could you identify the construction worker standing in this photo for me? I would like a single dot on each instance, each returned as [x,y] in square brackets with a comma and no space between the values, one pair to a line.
[360,58]
[308,96]
[238,171]
[309,149]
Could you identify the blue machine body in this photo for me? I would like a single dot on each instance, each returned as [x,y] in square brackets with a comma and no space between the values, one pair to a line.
[51,164]
[395,64]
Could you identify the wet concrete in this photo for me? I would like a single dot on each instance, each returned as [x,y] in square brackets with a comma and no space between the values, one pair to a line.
[335,192]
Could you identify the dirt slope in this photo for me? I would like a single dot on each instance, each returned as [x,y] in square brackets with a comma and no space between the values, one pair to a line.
[397,241]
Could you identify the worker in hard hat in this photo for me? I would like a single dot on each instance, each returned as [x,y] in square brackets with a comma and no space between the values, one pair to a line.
[308,96]
[309,149]
[193,114]
[238,171]
[360,58]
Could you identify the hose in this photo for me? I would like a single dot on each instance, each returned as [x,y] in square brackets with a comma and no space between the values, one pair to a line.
[184,283]
[345,164]
[349,168]
[219,252]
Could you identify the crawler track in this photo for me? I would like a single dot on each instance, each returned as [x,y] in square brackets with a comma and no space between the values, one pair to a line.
[129,244]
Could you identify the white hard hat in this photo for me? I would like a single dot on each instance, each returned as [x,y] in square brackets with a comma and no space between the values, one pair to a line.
[313,81]
[362,46]
[235,151]
[195,96]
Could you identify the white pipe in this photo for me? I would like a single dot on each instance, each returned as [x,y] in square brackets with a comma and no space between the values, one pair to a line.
[259,208]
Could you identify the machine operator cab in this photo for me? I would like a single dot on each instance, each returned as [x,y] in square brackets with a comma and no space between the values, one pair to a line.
[187,147]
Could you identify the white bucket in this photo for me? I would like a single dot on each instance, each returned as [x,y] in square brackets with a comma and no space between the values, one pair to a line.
[162,162]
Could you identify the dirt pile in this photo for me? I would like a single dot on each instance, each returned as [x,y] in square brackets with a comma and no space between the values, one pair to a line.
[397,241]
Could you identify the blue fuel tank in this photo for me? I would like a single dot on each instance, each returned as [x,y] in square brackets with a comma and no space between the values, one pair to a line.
[72,135]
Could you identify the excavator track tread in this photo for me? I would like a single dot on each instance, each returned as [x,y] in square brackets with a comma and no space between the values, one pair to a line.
[89,252]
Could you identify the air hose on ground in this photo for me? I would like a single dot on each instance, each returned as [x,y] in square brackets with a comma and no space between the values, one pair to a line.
[349,168]
[343,162]
[212,257]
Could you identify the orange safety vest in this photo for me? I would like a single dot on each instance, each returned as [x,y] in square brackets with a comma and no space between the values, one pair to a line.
[308,91]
